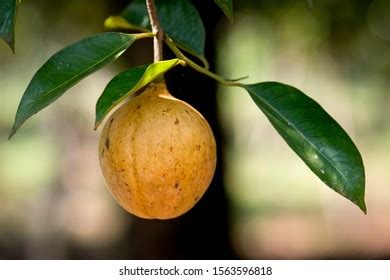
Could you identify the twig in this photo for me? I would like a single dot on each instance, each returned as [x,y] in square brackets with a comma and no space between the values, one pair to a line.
[198,68]
[156,29]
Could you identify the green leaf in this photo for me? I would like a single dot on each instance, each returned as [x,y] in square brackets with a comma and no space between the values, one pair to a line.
[8,10]
[136,14]
[67,67]
[179,19]
[127,83]
[315,136]
[227,7]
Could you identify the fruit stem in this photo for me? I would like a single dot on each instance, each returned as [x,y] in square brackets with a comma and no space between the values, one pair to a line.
[156,29]
[197,67]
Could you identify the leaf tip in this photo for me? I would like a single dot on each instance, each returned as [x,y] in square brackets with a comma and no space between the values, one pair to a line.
[227,8]
[98,121]
[362,205]
[12,132]
[97,124]
[10,43]
[229,16]
[360,202]
[12,46]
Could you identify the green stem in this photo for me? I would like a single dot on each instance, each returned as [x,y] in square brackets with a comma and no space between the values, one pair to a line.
[145,35]
[197,67]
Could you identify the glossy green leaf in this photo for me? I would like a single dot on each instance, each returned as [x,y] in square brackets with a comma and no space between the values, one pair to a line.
[67,67]
[227,7]
[179,19]
[127,83]
[8,9]
[315,136]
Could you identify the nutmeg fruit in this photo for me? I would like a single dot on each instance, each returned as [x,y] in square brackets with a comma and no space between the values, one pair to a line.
[157,154]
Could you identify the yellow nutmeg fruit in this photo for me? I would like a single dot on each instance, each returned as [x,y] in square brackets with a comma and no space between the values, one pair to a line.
[157,154]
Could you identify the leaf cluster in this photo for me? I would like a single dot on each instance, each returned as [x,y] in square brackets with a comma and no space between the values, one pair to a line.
[305,126]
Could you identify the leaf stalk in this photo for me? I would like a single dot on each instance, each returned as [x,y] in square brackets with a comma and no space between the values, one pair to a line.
[197,67]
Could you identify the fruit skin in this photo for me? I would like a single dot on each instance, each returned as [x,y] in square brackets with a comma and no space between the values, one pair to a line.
[157,154]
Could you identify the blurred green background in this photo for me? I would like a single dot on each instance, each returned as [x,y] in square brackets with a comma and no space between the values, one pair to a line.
[52,192]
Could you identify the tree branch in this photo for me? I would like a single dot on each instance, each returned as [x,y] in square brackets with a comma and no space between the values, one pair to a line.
[156,29]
